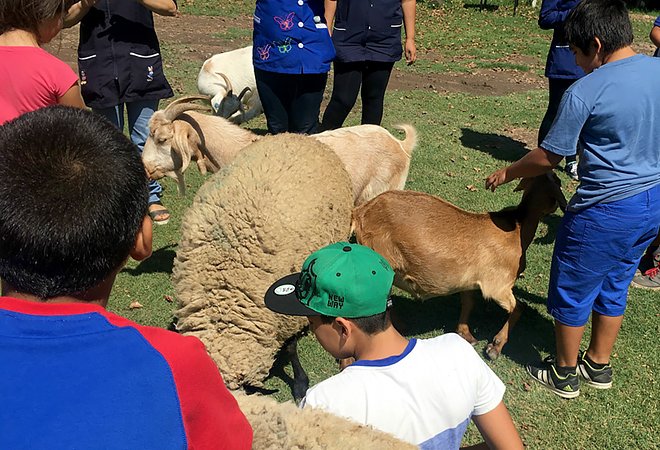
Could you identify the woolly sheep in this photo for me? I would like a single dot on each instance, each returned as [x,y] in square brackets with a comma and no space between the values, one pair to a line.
[255,221]
[375,160]
[283,426]
[224,74]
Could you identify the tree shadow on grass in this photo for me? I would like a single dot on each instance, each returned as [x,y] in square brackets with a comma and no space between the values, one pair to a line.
[498,146]
[162,260]
[532,334]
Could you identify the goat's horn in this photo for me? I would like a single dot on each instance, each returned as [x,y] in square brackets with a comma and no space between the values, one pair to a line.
[188,99]
[227,82]
[245,89]
[172,112]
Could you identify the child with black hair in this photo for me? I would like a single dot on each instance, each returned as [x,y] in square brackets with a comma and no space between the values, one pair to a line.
[73,374]
[423,391]
[615,212]
[30,77]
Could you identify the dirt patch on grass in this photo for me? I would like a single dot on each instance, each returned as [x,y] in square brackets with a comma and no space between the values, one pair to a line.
[202,36]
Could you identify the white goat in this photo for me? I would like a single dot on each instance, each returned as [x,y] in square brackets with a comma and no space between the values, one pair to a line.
[436,248]
[375,160]
[224,74]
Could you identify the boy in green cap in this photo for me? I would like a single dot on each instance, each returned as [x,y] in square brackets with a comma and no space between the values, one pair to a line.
[422,391]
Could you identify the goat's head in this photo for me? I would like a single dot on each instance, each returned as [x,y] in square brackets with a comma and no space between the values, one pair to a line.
[169,149]
[544,192]
[226,103]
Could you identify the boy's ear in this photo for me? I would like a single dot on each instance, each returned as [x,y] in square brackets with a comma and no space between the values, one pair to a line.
[142,248]
[345,326]
[597,45]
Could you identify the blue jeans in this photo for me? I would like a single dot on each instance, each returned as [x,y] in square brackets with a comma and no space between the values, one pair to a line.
[139,113]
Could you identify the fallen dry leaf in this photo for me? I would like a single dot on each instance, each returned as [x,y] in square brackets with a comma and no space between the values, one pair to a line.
[169,298]
[134,305]
[527,387]
[471,188]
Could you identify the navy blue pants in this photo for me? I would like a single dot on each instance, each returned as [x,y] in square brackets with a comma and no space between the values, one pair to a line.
[291,102]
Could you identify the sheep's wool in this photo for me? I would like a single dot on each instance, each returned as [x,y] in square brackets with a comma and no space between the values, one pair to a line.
[255,221]
[282,426]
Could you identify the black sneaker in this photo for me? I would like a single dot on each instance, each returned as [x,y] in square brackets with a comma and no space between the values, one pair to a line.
[571,170]
[546,374]
[598,378]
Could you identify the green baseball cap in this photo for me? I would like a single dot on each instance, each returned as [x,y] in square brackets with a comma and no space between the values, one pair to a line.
[340,280]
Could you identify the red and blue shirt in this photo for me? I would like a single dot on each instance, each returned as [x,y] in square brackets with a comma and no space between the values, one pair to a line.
[74,375]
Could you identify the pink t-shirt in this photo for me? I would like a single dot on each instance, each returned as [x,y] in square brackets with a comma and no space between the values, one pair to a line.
[31,78]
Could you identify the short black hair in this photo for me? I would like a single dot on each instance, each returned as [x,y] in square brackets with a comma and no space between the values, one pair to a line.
[369,325]
[73,193]
[606,20]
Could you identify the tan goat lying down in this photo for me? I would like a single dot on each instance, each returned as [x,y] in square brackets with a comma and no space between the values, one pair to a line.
[436,248]
[375,160]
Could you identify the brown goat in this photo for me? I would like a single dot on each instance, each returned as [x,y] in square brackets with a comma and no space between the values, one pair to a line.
[436,248]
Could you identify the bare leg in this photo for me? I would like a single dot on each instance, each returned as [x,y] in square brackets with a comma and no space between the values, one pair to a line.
[604,330]
[568,344]
[463,329]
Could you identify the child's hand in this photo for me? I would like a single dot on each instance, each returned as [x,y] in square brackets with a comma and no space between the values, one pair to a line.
[411,51]
[497,178]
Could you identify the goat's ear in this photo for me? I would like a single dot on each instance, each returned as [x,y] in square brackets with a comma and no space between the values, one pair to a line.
[524,184]
[181,143]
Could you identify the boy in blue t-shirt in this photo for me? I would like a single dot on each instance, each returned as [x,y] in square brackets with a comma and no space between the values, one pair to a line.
[614,112]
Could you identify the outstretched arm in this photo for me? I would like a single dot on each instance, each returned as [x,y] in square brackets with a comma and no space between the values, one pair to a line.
[79,9]
[161,7]
[498,430]
[77,12]
[408,7]
[537,162]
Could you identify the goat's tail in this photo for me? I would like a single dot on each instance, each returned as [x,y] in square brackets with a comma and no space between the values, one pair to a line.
[410,142]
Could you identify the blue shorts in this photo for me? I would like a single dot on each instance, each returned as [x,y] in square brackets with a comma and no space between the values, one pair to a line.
[596,254]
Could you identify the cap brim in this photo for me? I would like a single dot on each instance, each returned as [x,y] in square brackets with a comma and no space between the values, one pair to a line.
[281,298]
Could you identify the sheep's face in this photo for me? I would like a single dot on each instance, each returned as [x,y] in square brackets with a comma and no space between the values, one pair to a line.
[158,157]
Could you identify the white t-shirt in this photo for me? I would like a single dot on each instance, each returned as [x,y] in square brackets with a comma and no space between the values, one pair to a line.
[424,396]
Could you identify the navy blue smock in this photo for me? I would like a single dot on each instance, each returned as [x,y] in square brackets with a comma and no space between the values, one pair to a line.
[561,61]
[291,36]
[118,55]
[368,30]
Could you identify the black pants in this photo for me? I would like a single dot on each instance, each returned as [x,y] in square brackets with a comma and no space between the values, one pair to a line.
[557,88]
[373,76]
[291,102]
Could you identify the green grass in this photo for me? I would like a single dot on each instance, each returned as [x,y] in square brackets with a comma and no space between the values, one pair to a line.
[231,33]
[462,138]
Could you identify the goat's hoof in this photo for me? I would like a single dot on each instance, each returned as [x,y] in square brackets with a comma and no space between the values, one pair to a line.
[492,352]
[468,337]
